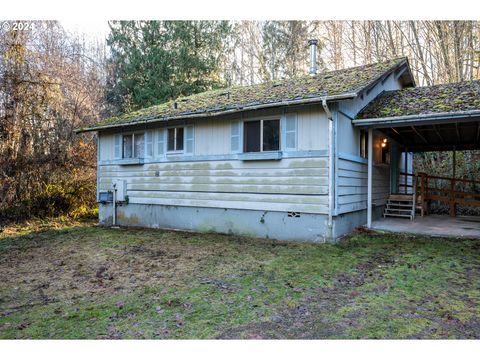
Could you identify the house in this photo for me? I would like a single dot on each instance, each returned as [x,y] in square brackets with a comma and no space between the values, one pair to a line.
[281,160]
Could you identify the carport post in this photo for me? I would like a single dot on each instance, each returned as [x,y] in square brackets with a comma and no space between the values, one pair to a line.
[370,178]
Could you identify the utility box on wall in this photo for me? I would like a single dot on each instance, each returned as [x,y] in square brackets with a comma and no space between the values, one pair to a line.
[121,187]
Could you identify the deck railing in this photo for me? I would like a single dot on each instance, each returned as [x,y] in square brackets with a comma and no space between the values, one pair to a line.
[451,191]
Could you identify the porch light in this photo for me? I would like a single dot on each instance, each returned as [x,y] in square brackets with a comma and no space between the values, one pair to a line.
[384,142]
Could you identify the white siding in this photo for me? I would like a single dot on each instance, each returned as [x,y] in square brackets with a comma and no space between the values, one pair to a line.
[352,180]
[352,185]
[285,185]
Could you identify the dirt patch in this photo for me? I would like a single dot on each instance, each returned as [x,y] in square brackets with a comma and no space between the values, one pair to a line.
[307,320]
[47,271]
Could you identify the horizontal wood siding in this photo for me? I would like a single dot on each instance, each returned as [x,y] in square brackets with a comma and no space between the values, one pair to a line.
[352,185]
[287,185]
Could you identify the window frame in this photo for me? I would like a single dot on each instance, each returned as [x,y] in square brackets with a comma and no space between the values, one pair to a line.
[175,151]
[261,134]
[133,133]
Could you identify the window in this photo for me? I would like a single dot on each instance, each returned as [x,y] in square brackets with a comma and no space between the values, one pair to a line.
[175,139]
[261,135]
[364,143]
[133,146]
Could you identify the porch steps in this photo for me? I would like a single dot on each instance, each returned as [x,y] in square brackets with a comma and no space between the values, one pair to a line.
[399,205]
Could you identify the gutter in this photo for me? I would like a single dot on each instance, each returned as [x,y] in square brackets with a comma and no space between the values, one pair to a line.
[408,119]
[331,167]
[224,112]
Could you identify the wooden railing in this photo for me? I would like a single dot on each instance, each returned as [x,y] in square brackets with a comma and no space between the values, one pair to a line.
[452,191]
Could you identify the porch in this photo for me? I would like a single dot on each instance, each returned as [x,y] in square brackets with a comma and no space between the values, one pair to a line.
[432,225]
[439,118]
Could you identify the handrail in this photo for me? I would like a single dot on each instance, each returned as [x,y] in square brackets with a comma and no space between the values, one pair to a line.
[447,194]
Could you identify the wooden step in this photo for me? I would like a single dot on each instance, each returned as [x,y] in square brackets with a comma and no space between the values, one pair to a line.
[400,204]
[398,210]
[398,215]
[401,197]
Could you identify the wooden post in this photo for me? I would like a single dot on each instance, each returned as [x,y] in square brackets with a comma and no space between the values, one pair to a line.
[422,194]
[370,178]
[406,170]
[452,184]
[427,194]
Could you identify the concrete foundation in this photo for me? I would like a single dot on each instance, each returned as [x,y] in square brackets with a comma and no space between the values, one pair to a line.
[264,224]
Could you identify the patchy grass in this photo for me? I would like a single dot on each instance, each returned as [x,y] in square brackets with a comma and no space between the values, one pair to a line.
[76,280]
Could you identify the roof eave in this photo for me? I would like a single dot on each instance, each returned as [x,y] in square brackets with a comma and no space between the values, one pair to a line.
[403,62]
[415,119]
[309,101]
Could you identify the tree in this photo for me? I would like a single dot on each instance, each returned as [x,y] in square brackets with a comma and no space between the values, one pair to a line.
[48,86]
[154,61]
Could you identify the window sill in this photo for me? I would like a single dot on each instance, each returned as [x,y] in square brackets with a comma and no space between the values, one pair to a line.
[136,161]
[257,156]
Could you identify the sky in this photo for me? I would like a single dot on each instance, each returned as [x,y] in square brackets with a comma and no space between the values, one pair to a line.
[93,29]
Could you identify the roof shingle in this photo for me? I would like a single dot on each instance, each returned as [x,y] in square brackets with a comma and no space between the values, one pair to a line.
[445,98]
[332,83]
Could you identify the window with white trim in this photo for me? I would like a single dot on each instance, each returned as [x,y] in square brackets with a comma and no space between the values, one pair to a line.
[175,139]
[133,146]
[261,135]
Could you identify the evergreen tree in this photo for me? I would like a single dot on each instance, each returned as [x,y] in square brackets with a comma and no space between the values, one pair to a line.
[154,61]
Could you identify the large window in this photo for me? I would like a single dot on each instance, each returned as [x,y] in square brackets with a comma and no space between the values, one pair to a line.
[175,139]
[261,135]
[133,146]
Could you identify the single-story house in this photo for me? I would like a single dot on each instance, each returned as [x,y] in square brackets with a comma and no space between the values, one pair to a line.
[307,158]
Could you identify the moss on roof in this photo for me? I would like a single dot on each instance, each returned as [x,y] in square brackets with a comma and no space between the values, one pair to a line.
[330,83]
[452,97]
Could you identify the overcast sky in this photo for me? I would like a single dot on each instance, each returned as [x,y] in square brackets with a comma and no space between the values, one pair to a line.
[94,29]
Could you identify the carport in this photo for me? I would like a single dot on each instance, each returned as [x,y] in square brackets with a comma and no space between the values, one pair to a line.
[437,118]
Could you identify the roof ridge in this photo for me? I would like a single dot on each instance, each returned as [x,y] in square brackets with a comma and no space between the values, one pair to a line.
[300,77]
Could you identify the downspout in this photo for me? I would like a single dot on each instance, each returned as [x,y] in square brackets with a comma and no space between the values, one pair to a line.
[114,205]
[331,168]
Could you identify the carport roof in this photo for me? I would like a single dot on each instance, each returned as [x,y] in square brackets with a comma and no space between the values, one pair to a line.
[445,98]
[441,117]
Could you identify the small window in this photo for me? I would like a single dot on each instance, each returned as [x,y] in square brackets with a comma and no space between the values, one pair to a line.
[175,139]
[364,143]
[133,146]
[261,135]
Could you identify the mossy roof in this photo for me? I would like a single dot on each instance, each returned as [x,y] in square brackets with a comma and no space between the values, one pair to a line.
[273,93]
[445,98]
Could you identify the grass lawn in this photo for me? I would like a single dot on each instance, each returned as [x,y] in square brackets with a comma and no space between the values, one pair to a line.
[81,281]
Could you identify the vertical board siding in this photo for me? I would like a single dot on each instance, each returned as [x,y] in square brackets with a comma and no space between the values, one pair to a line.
[287,185]
[312,128]
[352,185]
[213,136]
[107,147]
